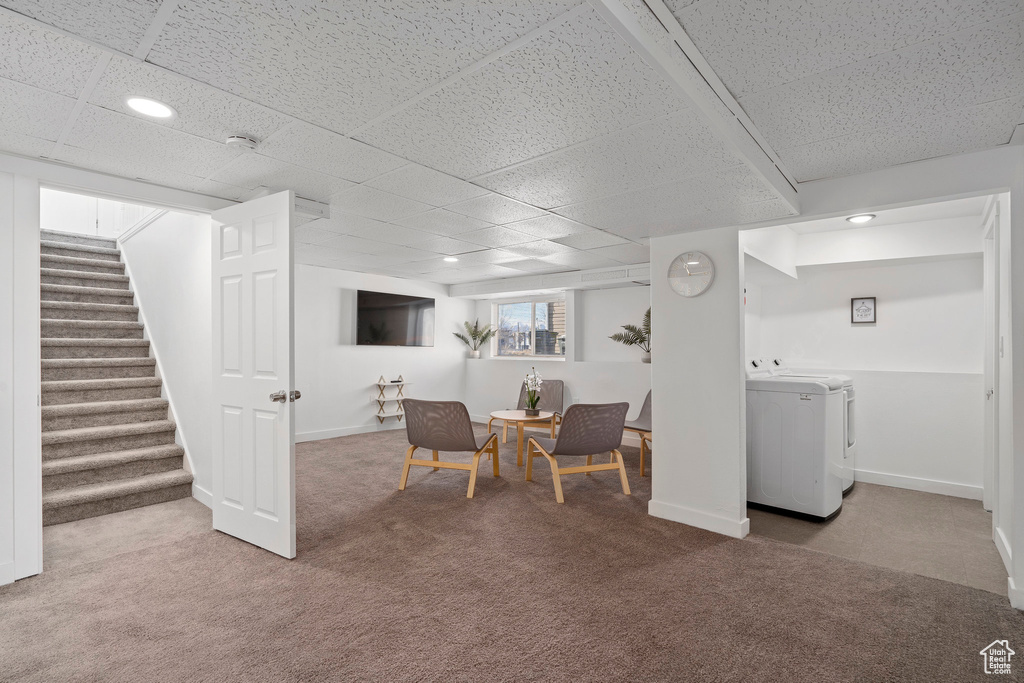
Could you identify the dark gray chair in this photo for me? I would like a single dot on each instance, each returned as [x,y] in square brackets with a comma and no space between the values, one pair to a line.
[552,399]
[587,429]
[642,425]
[444,426]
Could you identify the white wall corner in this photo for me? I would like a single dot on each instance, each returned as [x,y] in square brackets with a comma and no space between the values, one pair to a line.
[1015,594]
[737,528]
[944,488]
[202,495]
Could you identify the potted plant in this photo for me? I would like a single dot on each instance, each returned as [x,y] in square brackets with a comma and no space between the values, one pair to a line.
[637,336]
[475,336]
[533,382]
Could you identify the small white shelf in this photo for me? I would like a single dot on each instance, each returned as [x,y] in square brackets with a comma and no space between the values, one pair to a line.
[384,396]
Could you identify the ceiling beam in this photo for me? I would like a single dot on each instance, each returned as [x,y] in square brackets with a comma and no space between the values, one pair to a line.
[693,78]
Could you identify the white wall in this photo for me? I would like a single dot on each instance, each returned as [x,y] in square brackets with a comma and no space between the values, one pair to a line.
[932,238]
[335,376]
[169,263]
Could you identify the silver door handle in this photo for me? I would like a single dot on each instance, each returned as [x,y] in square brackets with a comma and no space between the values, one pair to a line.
[988,394]
[279,397]
[294,396]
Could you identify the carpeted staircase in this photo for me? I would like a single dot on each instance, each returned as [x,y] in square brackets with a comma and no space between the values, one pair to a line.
[108,444]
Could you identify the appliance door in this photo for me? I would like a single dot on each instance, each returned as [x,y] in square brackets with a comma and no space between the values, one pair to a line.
[849,425]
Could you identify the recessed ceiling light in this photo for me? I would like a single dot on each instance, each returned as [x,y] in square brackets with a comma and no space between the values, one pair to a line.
[148,107]
[450,259]
[861,218]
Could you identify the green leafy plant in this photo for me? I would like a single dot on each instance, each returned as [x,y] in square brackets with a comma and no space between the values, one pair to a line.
[636,336]
[475,335]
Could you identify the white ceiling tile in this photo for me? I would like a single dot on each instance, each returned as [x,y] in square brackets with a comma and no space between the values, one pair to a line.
[367,228]
[969,68]
[549,227]
[591,240]
[496,209]
[448,245]
[965,130]
[347,244]
[25,145]
[534,266]
[44,59]
[649,154]
[119,24]
[136,167]
[402,254]
[255,170]
[202,110]
[625,253]
[310,234]
[499,256]
[426,185]
[539,249]
[339,64]
[580,259]
[755,45]
[321,150]
[577,81]
[443,222]
[33,112]
[373,203]
[497,237]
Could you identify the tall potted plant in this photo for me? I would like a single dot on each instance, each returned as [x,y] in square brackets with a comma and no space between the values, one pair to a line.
[475,336]
[637,336]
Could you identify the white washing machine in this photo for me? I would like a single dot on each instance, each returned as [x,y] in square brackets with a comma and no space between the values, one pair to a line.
[779,368]
[794,447]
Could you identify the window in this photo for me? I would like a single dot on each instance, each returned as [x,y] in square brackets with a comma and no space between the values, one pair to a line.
[531,328]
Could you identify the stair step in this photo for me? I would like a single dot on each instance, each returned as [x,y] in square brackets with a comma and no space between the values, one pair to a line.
[57,369]
[77,278]
[86,329]
[83,470]
[78,251]
[100,413]
[76,310]
[92,390]
[88,440]
[93,295]
[80,502]
[94,348]
[88,265]
[77,238]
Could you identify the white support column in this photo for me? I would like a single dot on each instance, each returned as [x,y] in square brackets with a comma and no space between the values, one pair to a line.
[1016,342]
[7,572]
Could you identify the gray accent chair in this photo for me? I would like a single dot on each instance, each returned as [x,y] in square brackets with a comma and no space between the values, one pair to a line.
[444,426]
[642,425]
[587,429]
[552,400]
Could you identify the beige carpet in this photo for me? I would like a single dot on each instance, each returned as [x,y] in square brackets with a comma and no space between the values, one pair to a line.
[426,585]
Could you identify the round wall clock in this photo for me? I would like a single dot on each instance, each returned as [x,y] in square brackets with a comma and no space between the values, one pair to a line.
[691,274]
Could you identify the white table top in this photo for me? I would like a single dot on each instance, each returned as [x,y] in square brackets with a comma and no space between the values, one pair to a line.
[520,416]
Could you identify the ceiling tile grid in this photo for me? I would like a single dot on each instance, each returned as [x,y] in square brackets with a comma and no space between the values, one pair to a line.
[442,222]
[25,145]
[254,171]
[426,185]
[550,226]
[448,246]
[117,24]
[370,202]
[591,240]
[538,249]
[628,253]
[577,81]
[304,144]
[497,237]
[29,111]
[495,209]
[44,59]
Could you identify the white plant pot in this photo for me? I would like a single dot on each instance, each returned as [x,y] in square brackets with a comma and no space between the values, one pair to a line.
[474,353]
[645,357]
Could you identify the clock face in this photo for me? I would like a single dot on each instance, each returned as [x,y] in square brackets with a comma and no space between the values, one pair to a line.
[691,274]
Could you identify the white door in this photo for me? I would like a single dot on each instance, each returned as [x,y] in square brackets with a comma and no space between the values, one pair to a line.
[253,367]
[991,287]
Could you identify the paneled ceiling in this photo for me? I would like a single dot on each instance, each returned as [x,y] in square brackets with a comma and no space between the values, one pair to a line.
[518,136]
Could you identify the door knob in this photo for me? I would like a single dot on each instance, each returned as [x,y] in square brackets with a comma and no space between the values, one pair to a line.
[294,396]
[279,397]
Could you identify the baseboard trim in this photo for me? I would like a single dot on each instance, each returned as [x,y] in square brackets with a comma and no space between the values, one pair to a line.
[202,495]
[945,488]
[6,573]
[699,519]
[347,431]
[1015,594]
[1003,546]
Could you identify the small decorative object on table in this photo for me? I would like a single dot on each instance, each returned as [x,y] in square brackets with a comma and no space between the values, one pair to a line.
[533,382]
[475,336]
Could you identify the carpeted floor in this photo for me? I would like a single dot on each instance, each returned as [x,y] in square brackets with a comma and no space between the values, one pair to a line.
[426,585]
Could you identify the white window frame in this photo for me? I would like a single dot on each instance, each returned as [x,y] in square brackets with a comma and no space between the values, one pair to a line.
[533,301]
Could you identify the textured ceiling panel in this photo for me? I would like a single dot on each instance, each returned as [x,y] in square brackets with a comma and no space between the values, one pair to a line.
[44,59]
[969,68]
[489,256]
[202,110]
[254,171]
[496,209]
[355,245]
[534,266]
[25,145]
[497,237]
[339,64]
[33,112]
[372,203]
[580,260]
[448,245]
[370,229]
[538,249]
[128,166]
[426,185]
[151,145]
[591,240]
[119,24]
[312,234]
[625,253]
[573,83]
[306,145]
[755,45]
[550,226]
[443,222]
[650,154]
[965,130]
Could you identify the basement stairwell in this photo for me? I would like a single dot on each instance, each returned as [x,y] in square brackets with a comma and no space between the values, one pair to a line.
[108,443]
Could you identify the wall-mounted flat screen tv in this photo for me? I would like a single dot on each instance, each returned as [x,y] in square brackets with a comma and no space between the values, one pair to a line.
[394,320]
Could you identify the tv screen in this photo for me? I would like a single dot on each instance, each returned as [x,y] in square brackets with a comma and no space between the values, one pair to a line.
[394,320]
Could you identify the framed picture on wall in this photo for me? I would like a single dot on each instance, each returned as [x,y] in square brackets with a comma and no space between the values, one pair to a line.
[862,310]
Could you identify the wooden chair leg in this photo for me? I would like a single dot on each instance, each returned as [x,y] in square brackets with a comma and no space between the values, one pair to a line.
[555,478]
[504,433]
[622,472]
[643,449]
[472,473]
[529,460]
[590,461]
[435,460]
[405,468]
[552,426]
[489,423]
[494,453]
